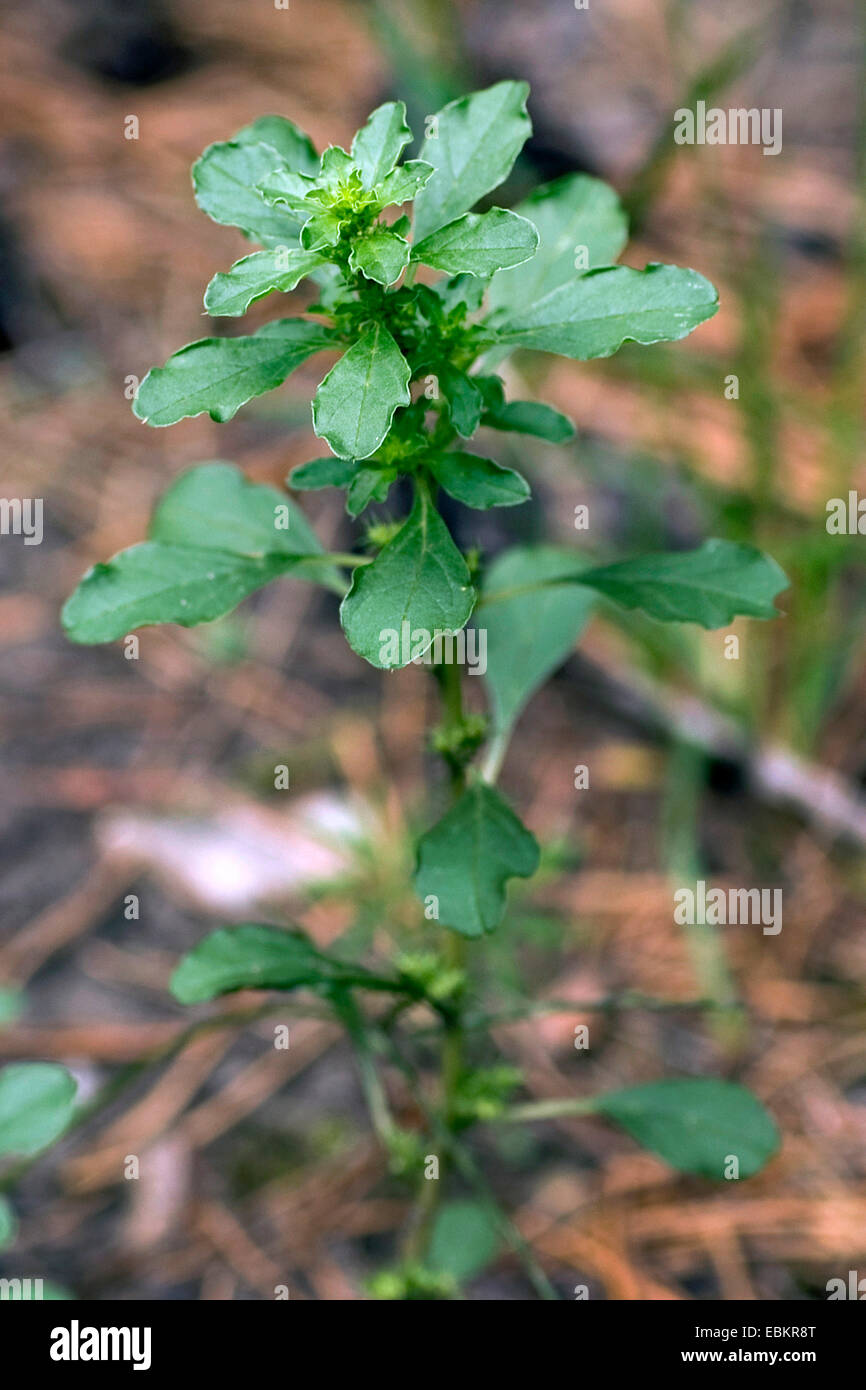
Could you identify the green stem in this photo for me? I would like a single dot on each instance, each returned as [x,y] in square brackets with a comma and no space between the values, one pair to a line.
[371,1082]
[547,1110]
[454,951]
[474,1176]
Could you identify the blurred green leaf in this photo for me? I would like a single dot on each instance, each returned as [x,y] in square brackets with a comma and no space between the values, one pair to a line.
[530,630]
[251,956]
[696,1124]
[36,1104]
[574,212]
[463,1241]
[8,1223]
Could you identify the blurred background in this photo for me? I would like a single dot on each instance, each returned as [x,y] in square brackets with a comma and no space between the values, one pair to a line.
[137,802]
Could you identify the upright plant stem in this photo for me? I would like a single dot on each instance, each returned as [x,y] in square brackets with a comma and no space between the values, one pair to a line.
[454,952]
[454,945]
[371,1082]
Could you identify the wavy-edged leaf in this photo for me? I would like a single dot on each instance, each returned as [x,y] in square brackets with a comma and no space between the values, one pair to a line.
[380,142]
[292,144]
[232,292]
[290,189]
[403,183]
[37,1100]
[321,230]
[574,211]
[478,482]
[593,315]
[335,169]
[697,1124]
[214,538]
[711,586]
[219,375]
[225,181]
[381,255]
[472,145]
[467,857]
[478,243]
[417,585]
[155,583]
[355,404]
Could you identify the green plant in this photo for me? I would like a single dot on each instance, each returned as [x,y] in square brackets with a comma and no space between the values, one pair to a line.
[414,381]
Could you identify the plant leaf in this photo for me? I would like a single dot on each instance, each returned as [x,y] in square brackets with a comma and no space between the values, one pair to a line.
[472,145]
[293,145]
[355,404]
[530,631]
[36,1104]
[8,1224]
[335,168]
[233,291]
[380,255]
[478,482]
[379,144]
[321,230]
[478,243]
[214,507]
[575,210]
[711,586]
[463,398]
[369,485]
[225,181]
[290,189]
[318,473]
[404,182]
[696,1124]
[418,579]
[595,314]
[463,1241]
[214,539]
[252,956]
[154,583]
[460,289]
[219,375]
[530,417]
[466,858]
